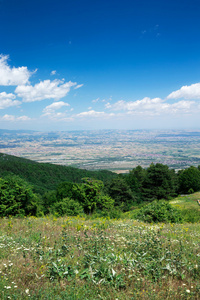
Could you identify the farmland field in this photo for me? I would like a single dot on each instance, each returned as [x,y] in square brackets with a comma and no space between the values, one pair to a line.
[115,150]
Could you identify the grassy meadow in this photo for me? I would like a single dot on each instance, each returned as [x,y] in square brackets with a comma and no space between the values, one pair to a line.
[86,258]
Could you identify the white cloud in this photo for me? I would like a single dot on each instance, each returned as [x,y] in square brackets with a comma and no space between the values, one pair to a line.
[78,86]
[144,104]
[12,76]
[48,110]
[53,72]
[8,118]
[57,116]
[23,118]
[6,100]
[152,107]
[46,89]
[94,114]
[186,92]
[95,100]
[108,105]
[13,118]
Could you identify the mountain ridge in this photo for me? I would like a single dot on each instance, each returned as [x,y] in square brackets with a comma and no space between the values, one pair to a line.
[46,176]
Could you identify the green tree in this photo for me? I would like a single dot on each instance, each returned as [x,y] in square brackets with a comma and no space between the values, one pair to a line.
[189,180]
[160,182]
[120,192]
[135,179]
[105,202]
[17,197]
[48,200]
[91,190]
[67,189]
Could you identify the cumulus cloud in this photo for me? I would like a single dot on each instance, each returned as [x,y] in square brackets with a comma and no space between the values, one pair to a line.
[50,109]
[144,104]
[155,106]
[6,100]
[46,89]
[94,114]
[186,92]
[12,76]
[13,118]
[4,95]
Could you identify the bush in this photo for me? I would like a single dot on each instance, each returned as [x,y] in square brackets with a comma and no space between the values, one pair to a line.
[159,211]
[68,207]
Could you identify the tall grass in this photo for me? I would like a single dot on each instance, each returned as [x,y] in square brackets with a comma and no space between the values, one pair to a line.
[75,258]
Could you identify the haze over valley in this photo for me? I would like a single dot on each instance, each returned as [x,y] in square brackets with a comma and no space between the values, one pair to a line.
[115,150]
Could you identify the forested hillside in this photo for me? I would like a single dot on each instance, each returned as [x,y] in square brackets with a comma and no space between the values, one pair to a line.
[45,176]
[31,188]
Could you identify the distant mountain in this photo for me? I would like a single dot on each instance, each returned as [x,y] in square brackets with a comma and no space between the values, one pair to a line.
[46,176]
[3,131]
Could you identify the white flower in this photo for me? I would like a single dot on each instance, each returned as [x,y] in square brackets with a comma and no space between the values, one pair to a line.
[187,291]
[27,291]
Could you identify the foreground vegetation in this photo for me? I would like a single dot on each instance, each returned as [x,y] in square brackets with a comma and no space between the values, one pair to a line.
[84,258]
[124,237]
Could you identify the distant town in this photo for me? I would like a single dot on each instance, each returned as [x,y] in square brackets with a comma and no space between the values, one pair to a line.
[115,150]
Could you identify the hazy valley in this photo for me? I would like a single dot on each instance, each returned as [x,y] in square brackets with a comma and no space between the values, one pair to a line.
[115,150]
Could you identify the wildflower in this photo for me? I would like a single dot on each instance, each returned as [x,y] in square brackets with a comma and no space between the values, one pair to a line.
[27,291]
[187,291]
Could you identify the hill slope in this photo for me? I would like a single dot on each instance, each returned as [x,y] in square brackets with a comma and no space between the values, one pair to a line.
[45,176]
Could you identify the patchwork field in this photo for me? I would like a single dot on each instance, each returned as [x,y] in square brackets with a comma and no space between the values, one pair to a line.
[115,150]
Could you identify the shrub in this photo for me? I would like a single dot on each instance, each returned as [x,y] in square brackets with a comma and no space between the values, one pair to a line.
[68,207]
[159,211]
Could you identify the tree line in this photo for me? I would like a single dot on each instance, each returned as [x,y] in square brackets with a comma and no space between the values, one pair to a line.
[120,193]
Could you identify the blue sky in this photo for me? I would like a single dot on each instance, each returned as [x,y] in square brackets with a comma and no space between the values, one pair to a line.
[68,65]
